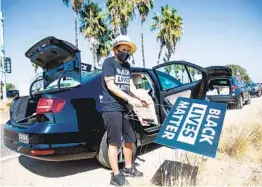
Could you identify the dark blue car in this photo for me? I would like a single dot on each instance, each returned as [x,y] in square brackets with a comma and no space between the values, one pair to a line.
[61,117]
[225,88]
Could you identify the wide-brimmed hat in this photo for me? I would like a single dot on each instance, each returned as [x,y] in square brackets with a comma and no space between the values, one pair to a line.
[125,40]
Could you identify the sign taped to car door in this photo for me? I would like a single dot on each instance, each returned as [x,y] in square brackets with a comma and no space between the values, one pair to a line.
[193,125]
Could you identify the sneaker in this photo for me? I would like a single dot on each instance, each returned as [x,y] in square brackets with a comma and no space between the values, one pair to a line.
[118,180]
[132,172]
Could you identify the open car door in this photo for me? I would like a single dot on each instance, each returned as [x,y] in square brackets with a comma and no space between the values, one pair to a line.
[179,79]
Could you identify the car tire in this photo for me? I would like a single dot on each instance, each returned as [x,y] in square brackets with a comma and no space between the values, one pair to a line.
[239,104]
[102,154]
[249,100]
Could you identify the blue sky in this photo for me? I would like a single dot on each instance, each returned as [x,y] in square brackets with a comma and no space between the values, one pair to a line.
[216,32]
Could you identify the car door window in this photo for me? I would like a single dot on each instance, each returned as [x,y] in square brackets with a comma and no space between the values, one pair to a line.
[195,74]
[172,76]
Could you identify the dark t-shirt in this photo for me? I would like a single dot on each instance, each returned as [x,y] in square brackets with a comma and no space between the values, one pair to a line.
[122,74]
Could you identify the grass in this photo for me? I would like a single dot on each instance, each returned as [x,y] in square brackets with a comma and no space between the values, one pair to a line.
[238,140]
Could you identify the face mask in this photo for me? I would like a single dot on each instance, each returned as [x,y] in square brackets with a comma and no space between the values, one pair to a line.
[122,56]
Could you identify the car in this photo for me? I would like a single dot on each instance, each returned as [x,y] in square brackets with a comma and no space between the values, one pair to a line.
[260,84]
[255,89]
[12,93]
[225,88]
[61,117]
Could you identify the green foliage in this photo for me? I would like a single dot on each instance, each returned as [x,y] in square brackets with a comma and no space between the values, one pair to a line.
[95,30]
[120,13]
[76,4]
[143,7]
[9,86]
[169,26]
[243,72]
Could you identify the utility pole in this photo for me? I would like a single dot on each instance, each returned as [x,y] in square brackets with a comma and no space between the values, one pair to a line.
[2,51]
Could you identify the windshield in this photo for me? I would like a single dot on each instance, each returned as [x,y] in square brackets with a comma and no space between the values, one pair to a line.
[66,82]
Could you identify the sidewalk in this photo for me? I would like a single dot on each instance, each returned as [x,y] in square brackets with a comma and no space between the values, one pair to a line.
[4,112]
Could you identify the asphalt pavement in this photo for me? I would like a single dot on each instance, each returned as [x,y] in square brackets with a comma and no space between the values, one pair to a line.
[5,152]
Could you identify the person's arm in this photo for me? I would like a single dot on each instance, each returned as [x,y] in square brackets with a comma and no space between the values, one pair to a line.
[138,94]
[110,83]
[109,78]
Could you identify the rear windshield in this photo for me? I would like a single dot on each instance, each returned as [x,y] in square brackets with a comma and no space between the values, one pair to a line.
[66,82]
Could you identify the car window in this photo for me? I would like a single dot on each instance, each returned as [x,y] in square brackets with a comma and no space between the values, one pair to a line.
[195,74]
[66,82]
[172,76]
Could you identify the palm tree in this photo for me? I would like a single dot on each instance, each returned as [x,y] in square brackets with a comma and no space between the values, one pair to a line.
[104,45]
[120,13]
[76,5]
[169,26]
[94,29]
[143,7]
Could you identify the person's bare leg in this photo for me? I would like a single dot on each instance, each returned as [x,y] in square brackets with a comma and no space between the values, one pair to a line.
[113,158]
[128,153]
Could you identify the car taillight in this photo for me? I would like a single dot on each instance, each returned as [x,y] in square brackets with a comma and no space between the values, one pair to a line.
[234,88]
[46,105]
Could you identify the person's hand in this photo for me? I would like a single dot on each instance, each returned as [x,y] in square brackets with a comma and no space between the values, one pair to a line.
[145,100]
[135,102]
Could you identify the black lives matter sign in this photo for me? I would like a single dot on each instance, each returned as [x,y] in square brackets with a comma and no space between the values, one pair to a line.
[193,125]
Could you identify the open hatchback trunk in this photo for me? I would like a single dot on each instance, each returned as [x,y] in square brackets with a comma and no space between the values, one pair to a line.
[218,71]
[219,80]
[60,62]
[58,58]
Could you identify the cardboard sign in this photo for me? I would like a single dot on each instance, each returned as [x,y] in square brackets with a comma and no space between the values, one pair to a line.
[193,125]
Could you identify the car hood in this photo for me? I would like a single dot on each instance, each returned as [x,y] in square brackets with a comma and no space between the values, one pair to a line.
[219,71]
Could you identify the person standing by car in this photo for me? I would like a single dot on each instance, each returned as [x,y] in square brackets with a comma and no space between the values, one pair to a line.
[117,90]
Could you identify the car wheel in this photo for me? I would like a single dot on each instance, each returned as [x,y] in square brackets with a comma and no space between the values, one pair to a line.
[102,155]
[249,100]
[239,104]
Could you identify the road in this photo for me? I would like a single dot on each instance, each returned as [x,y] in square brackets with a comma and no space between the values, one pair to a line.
[24,171]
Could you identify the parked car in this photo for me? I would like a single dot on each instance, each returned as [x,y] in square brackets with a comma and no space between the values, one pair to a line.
[62,120]
[255,89]
[12,93]
[224,88]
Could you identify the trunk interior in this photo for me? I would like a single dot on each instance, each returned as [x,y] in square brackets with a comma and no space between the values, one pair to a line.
[219,87]
[23,110]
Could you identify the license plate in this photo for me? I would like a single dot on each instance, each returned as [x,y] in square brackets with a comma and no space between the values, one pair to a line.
[23,138]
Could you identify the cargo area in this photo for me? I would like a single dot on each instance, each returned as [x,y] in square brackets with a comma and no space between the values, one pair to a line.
[23,110]
[219,87]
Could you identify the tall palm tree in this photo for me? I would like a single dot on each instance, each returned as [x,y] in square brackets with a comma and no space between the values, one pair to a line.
[93,28]
[120,13]
[104,46]
[169,26]
[76,5]
[143,7]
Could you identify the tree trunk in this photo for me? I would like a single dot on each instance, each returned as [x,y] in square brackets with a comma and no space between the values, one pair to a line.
[159,55]
[76,36]
[169,53]
[123,30]
[94,59]
[143,52]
